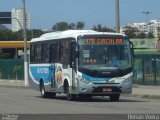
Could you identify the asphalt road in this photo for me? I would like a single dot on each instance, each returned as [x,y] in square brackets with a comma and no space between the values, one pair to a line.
[28,101]
[26,104]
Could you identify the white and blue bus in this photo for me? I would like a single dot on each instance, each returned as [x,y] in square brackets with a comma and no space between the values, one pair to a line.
[81,64]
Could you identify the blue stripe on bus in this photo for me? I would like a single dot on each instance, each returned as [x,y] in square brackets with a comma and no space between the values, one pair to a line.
[95,78]
[42,72]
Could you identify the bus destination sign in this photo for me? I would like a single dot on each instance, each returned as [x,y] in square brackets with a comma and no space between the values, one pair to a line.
[103,40]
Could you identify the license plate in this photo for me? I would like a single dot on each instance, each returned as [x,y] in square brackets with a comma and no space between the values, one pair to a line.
[107,89]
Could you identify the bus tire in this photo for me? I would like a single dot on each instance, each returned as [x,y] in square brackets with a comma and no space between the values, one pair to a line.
[53,94]
[114,97]
[42,90]
[70,96]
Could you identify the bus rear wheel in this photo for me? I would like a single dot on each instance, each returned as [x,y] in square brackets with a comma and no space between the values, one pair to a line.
[42,90]
[45,94]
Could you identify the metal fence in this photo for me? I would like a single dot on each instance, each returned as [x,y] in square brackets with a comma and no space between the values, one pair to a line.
[147,69]
[11,69]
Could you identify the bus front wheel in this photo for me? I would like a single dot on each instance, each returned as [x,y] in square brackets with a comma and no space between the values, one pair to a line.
[70,96]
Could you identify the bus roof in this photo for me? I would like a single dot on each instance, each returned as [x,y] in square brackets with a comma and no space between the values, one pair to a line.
[69,34]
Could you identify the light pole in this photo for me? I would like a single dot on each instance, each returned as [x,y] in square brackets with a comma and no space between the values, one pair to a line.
[117,16]
[18,23]
[25,46]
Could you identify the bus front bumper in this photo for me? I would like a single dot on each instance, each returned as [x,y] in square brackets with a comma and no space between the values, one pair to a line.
[105,89]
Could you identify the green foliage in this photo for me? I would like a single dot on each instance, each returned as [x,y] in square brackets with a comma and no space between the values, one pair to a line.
[16,70]
[141,35]
[61,26]
[101,28]
[3,55]
[150,35]
[34,33]
[130,31]
[8,35]
[133,32]
[80,25]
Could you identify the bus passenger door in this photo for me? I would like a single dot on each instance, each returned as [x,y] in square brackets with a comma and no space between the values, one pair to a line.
[73,64]
[52,60]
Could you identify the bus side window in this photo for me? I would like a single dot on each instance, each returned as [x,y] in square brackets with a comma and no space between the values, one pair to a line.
[64,53]
[32,53]
[37,53]
[45,52]
[52,53]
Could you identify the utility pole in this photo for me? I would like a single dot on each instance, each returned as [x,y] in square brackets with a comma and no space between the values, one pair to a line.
[25,46]
[117,16]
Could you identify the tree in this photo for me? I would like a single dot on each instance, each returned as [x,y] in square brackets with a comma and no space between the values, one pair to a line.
[17,69]
[34,33]
[6,35]
[4,55]
[130,31]
[150,35]
[80,25]
[101,28]
[61,26]
[141,35]
[72,26]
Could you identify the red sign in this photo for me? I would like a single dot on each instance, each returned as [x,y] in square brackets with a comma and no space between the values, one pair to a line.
[107,89]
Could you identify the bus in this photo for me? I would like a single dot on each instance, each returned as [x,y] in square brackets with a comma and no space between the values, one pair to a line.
[81,64]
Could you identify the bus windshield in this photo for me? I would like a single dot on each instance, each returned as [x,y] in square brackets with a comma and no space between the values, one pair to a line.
[104,53]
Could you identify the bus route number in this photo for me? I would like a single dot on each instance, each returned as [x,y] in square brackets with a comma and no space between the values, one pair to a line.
[42,70]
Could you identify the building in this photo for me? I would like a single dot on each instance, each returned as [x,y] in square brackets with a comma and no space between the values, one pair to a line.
[151,27]
[17,15]
[157,32]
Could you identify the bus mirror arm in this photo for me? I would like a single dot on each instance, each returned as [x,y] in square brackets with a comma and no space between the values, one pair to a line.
[132,49]
[73,54]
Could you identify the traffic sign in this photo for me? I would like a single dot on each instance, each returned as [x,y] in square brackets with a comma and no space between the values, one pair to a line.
[5,20]
[5,14]
[5,17]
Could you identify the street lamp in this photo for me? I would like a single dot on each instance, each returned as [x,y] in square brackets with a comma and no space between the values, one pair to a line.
[25,46]
[146,13]
[18,22]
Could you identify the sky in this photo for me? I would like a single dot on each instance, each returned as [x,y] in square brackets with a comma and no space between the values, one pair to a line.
[46,13]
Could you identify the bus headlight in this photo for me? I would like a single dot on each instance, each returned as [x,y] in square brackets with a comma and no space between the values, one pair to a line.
[127,80]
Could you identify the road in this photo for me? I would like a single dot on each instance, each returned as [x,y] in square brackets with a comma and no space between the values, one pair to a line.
[28,101]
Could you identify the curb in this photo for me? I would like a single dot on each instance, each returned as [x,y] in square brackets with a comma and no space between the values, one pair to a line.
[10,86]
[157,97]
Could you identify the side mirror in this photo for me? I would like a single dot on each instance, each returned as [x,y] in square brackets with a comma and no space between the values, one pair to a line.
[132,50]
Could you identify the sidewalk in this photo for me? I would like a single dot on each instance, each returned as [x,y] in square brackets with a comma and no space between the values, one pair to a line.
[12,83]
[151,92]
[145,91]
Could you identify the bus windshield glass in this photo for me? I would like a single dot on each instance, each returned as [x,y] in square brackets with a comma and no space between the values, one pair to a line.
[104,53]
